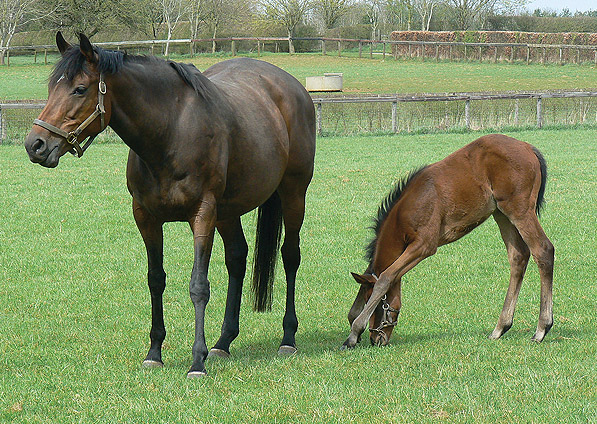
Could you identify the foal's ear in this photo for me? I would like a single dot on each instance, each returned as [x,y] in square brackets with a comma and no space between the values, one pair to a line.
[62,44]
[87,48]
[364,279]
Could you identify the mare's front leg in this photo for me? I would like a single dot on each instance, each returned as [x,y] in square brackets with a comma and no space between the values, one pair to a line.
[151,231]
[202,225]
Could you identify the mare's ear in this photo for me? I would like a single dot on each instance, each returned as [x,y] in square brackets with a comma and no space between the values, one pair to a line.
[62,44]
[87,48]
[364,279]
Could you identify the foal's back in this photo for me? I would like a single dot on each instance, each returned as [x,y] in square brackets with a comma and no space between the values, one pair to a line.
[453,196]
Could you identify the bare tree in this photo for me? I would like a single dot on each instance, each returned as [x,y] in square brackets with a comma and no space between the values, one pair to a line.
[329,12]
[469,13]
[425,10]
[374,10]
[399,13]
[173,11]
[13,15]
[289,13]
[214,14]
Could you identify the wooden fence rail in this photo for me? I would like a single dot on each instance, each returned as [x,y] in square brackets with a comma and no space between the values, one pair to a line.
[470,100]
[397,48]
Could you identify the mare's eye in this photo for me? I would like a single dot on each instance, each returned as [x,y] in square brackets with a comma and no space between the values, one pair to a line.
[80,90]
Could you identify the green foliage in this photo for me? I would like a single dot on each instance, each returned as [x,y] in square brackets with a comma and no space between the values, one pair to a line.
[74,315]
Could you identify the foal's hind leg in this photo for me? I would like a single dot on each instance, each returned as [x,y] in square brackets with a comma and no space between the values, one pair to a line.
[236,249]
[293,211]
[518,256]
[543,253]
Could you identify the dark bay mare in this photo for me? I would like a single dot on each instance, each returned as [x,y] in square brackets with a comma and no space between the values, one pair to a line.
[436,205]
[205,148]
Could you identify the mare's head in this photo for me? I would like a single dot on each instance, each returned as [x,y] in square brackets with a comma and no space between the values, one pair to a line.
[75,109]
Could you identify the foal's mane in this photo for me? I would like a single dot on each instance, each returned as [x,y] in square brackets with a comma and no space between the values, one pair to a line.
[111,62]
[385,207]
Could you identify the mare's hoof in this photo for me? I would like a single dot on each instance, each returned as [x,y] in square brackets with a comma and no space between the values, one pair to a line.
[149,363]
[218,353]
[286,350]
[537,339]
[196,374]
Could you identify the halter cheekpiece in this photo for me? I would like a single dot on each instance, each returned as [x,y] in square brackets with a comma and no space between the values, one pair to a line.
[71,137]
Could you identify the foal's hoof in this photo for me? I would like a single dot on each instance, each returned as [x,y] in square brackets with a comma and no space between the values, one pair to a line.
[218,353]
[346,346]
[286,350]
[149,363]
[196,374]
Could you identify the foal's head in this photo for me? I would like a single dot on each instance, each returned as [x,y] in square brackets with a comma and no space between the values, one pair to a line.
[75,107]
[385,317]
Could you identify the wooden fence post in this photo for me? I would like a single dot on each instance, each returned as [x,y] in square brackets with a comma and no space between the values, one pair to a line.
[516,106]
[339,48]
[528,55]
[539,113]
[323,47]
[258,48]
[1,126]
[384,51]
[45,56]
[233,47]
[467,114]
[394,117]
[361,49]
[319,124]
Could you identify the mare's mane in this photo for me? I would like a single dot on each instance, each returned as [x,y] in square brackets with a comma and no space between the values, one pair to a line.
[74,62]
[384,210]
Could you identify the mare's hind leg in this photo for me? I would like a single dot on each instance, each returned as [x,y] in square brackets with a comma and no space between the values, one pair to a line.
[518,256]
[293,211]
[152,233]
[543,253]
[235,247]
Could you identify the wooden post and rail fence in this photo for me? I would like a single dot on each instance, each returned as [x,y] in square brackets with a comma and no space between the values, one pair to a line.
[395,100]
[436,50]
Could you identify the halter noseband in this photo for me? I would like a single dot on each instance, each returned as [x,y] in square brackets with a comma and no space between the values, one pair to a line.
[71,137]
[386,320]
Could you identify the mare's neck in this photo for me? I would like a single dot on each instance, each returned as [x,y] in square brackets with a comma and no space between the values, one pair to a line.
[146,101]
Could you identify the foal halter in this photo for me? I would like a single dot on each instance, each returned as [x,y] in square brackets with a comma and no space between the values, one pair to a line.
[386,320]
[71,137]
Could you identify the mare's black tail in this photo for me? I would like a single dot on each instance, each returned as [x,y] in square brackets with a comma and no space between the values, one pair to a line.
[543,167]
[267,243]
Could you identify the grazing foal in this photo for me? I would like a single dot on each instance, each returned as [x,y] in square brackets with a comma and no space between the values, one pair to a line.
[436,205]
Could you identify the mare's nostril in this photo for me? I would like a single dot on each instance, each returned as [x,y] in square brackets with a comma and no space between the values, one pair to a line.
[38,145]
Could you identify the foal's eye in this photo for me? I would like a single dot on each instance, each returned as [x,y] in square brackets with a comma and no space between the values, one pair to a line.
[80,90]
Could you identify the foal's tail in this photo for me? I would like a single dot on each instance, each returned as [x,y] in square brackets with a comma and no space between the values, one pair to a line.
[543,167]
[267,243]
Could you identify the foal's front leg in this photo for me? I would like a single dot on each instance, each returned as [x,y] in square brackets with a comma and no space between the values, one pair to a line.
[152,233]
[202,225]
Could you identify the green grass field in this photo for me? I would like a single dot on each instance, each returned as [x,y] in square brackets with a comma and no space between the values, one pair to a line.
[75,317]
[25,80]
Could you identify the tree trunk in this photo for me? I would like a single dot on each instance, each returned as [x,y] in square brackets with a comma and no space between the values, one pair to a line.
[290,44]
